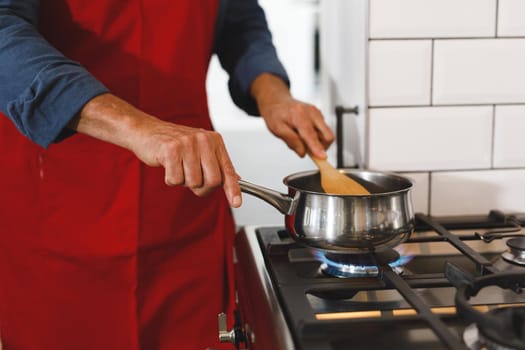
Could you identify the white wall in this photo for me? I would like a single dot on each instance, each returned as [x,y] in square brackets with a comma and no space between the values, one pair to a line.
[258,156]
[446,100]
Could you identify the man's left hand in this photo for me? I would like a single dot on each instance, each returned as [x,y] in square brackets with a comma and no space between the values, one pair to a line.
[300,125]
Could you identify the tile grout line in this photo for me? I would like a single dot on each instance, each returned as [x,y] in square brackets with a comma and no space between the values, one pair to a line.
[449,38]
[432,51]
[493,141]
[429,203]
[496,21]
[487,104]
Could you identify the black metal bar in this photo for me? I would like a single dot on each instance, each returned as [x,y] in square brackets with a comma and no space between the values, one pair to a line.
[510,220]
[482,263]
[428,239]
[469,286]
[494,219]
[416,281]
[438,326]
[339,111]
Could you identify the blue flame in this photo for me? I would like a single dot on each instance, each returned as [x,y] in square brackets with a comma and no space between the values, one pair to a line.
[342,269]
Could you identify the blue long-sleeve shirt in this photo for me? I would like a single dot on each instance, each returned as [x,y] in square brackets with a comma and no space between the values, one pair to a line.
[41,90]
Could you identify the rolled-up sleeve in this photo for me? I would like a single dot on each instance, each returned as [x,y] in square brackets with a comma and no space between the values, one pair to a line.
[245,49]
[40,89]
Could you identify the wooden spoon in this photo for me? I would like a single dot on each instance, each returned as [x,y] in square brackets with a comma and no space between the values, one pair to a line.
[334,182]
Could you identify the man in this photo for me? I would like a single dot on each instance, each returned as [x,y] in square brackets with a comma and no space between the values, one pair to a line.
[109,100]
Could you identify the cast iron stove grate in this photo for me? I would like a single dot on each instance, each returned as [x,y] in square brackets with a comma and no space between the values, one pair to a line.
[315,333]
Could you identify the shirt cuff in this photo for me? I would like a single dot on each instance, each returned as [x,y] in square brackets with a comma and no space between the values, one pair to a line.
[247,70]
[55,96]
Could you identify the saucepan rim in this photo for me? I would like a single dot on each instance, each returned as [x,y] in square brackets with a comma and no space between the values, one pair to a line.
[405,183]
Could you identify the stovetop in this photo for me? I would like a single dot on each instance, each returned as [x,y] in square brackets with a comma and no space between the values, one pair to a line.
[413,308]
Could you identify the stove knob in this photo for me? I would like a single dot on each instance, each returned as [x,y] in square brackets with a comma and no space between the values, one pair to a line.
[225,336]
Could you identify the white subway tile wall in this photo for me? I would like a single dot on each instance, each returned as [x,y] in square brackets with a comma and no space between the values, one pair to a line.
[430,138]
[399,72]
[476,192]
[446,93]
[482,71]
[510,18]
[420,191]
[509,140]
[432,18]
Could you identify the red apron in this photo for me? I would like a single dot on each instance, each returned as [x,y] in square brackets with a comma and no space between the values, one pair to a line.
[96,252]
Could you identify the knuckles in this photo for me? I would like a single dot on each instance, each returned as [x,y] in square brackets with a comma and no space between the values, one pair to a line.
[193,182]
[182,152]
[202,192]
[173,181]
[213,180]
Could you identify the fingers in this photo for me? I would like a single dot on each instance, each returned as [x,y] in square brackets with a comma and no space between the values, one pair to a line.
[230,178]
[315,132]
[173,170]
[181,159]
[308,133]
[208,165]
[218,170]
[302,127]
[197,159]
[191,163]
[326,135]
[290,136]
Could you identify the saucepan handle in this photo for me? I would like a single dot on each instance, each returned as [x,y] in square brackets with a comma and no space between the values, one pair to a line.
[282,202]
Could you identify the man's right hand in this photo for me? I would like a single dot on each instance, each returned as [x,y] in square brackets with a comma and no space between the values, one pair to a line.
[192,157]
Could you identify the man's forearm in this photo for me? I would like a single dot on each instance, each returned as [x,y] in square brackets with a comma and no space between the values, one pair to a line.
[111,119]
[193,157]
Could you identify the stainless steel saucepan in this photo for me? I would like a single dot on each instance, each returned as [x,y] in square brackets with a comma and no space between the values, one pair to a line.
[343,223]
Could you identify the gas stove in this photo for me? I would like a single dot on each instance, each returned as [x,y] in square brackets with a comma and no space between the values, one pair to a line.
[455,284]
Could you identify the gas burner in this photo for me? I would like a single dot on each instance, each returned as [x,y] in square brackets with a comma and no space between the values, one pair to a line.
[501,328]
[516,255]
[513,337]
[359,265]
